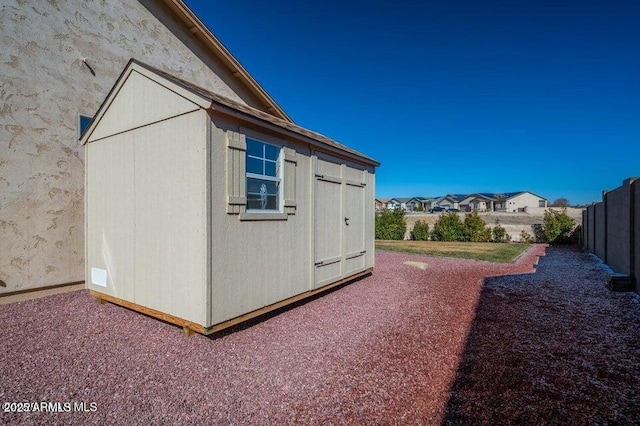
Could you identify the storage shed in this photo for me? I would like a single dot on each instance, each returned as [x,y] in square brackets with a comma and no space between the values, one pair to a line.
[206,212]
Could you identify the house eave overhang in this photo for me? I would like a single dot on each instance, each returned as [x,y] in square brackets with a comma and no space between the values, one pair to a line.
[199,30]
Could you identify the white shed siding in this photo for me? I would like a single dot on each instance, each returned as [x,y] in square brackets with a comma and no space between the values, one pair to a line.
[171,216]
[147,200]
[110,214]
[151,235]
[257,263]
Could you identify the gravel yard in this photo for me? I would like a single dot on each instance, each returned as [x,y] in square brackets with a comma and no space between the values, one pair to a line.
[551,346]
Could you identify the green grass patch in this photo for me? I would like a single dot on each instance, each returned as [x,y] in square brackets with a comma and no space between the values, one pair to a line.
[492,252]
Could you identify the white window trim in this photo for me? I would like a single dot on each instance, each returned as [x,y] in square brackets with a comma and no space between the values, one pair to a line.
[250,213]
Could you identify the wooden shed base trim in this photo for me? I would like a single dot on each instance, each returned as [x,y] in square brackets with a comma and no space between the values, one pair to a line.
[190,327]
[187,325]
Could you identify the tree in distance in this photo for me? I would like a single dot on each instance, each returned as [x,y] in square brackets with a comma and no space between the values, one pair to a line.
[560,202]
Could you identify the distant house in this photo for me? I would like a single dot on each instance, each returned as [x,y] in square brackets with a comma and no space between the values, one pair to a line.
[381,203]
[477,202]
[417,204]
[510,202]
[450,201]
[398,203]
[425,202]
[520,201]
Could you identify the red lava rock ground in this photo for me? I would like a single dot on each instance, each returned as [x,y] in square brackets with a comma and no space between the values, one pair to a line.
[548,347]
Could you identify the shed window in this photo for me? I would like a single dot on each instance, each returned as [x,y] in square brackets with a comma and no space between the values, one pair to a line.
[264,176]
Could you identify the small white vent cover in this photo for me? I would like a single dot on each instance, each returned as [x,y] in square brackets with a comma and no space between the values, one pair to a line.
[99,277]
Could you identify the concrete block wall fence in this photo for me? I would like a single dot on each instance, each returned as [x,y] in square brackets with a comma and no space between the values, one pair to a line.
[611,229]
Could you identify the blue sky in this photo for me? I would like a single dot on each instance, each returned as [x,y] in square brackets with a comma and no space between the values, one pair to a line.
[455,96]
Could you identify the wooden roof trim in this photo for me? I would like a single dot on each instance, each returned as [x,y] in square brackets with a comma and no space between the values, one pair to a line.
[197,27]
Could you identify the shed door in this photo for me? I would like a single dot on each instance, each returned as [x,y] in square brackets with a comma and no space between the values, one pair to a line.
[339,221]
[354,245]
[328,228]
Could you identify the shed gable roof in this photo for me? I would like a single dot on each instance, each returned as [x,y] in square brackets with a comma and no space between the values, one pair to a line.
[214,102]
[139,101]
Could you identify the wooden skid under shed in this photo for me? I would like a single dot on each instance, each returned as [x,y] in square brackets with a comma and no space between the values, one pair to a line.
[190,327]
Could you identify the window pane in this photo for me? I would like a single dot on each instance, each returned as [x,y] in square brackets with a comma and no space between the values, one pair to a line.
[255,186]
[253,202]
[256,202]
[262,194]
[270,168]
[272,202]
[84,123]
[254,148]
[271,152]
[254,166]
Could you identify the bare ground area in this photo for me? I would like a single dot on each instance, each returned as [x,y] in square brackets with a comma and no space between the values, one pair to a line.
[552,346]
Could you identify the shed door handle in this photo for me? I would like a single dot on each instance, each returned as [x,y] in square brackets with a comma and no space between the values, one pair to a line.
[346,221]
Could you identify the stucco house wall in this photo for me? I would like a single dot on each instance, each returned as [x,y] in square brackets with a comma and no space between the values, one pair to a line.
[46,86]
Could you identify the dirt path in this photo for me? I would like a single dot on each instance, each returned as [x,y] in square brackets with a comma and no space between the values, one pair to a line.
[383,350]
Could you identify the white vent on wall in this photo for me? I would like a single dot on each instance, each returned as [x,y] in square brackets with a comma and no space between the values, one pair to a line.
[99,277]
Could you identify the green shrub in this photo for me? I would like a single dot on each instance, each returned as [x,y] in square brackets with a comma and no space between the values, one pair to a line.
[538,233]
[390,225]
[500,234]
[558,227]
[449,227]
[526,237]
[475,229]
[420,231]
